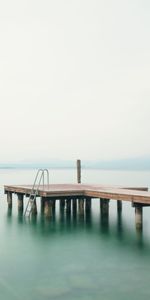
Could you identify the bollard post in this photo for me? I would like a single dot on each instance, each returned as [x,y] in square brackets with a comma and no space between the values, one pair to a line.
[78,171]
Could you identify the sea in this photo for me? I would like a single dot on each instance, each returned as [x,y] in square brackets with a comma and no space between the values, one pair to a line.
[71,258]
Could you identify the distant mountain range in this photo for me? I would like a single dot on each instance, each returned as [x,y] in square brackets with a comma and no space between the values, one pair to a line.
[120,164]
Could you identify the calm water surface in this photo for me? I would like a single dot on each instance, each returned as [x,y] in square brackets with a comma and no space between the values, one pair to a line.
[72,257]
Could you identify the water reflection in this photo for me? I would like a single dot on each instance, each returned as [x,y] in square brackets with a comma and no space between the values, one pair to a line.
[20,218]
[88,219]
[9,212]
[104,223]
[64,221]
[140,238]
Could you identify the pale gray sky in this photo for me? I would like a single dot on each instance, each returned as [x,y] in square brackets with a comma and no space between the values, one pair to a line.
[74,79]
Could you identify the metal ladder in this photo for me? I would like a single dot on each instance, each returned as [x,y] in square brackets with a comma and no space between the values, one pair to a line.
[40,176]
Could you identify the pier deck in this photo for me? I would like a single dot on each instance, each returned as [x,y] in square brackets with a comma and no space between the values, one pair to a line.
[58,191]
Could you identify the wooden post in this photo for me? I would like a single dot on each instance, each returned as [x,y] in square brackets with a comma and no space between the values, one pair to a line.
[88,204]
[81,206]
[9,200]
[42,204]
[68,205]
[138,216]
[119,205]
[119,222]
[53,205]
[34,208]
[74,210]
[62,204]
[78,171]
[48,207]
[74,205]
[104,203]
[20,202]
[47,211]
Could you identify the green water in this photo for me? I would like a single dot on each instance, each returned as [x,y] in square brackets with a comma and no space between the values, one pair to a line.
[72,257]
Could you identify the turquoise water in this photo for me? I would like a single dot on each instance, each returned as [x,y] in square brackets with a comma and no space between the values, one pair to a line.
[72,257]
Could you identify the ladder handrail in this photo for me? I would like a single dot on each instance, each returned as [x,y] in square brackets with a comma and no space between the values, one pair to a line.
[36,177]
[43,171]
[42,176]
[47,172]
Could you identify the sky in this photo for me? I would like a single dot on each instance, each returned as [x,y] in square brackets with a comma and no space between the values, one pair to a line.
[74,79]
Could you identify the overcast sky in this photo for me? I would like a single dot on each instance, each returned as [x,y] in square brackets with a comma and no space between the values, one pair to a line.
[74,79]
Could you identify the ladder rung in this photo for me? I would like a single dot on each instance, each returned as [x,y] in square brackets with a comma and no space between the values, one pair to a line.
[35,188]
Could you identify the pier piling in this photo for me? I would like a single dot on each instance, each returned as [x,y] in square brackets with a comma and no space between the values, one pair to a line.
[74,208]
[53,206]
[9,200]
[20,202]
[88,204]
[68,205]
[74,205]
[138,216]
[48,207]
[81,206]
[104,204]
[119,205]
[62,204]
[42,204]
[34,208]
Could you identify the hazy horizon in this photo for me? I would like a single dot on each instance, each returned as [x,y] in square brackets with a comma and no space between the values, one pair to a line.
[141,163]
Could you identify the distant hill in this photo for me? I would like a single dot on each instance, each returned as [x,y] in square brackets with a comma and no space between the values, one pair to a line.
[121,164]
[58,164]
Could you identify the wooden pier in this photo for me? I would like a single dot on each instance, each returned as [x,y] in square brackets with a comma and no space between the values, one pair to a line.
[69,195]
